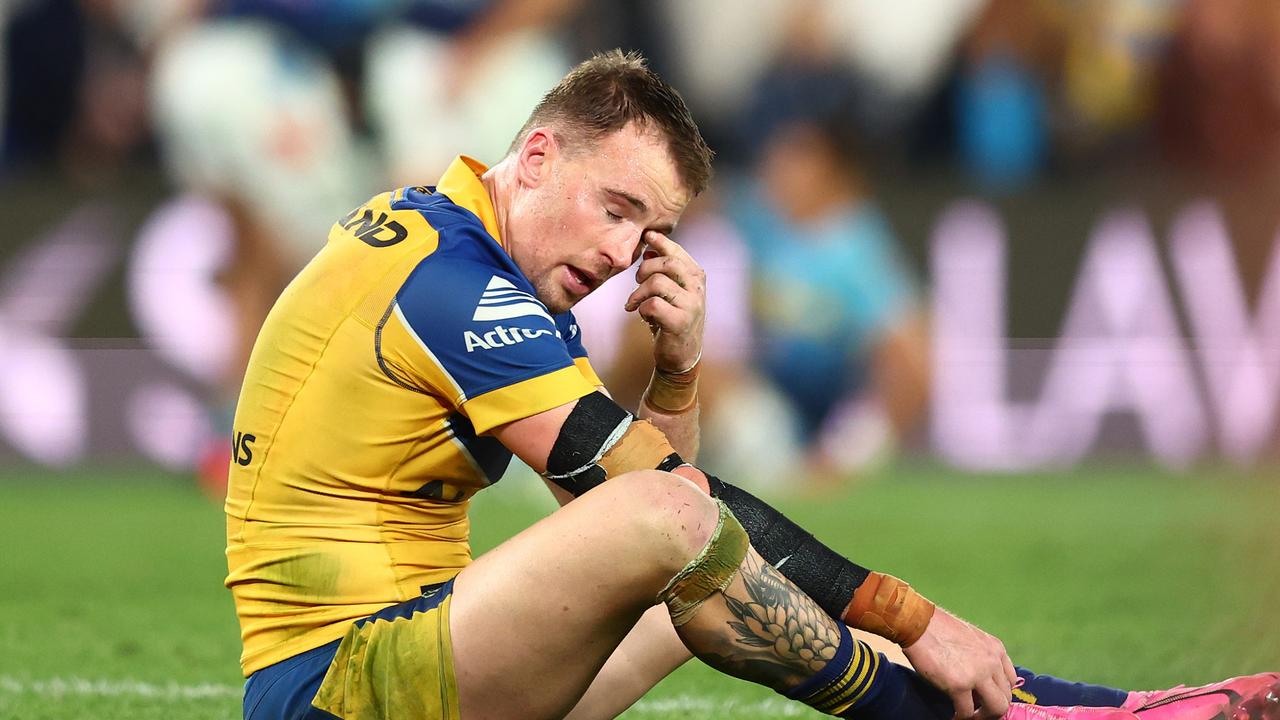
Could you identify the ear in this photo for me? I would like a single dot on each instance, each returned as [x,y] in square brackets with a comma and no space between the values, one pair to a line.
[536,156]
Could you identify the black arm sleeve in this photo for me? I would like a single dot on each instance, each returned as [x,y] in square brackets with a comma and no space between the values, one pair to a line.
[584,437]
[822,573]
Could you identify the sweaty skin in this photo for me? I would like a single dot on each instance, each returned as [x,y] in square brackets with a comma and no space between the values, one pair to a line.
[583,216]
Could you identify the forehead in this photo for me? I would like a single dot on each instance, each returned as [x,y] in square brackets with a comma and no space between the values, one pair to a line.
[639,162]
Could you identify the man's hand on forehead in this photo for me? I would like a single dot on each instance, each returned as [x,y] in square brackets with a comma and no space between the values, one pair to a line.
[671,296]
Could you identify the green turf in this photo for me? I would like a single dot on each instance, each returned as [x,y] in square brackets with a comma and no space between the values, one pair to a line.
[110,585]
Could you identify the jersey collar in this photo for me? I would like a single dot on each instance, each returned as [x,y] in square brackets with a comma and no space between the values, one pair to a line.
[461,183]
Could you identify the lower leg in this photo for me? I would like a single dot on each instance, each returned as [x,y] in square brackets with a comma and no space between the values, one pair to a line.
[763,629]
[738,614]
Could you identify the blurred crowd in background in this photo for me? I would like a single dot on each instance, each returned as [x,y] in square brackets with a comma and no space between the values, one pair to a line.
[272,118]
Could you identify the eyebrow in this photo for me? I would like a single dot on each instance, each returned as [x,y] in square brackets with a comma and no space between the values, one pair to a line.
[635,201]
[638,204]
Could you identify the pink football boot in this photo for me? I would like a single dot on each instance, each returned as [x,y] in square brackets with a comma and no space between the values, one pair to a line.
[1021,711]
[1252,697]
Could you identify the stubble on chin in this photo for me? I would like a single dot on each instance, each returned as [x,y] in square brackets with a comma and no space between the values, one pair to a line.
[554,298]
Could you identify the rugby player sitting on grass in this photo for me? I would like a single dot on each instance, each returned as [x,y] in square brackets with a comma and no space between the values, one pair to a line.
[428,341]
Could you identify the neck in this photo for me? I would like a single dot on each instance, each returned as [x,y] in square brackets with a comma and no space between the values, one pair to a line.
[499,182]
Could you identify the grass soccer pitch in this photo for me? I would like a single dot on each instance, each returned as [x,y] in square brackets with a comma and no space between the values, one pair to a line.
[113,607]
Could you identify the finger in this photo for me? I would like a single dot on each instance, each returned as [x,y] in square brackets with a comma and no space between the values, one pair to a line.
[677,260]
[661,244]
[1003,684]
[659,286]
[1004,688]
[661,315]
[1010,672]
[657,244]
[963,702]
[992,701]
[674,267]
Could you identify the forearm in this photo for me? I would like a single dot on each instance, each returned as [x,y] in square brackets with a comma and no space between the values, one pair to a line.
[671,404]
[681,429]
[650,652]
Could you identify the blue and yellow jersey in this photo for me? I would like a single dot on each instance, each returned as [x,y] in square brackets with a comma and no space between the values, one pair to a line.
[361,430]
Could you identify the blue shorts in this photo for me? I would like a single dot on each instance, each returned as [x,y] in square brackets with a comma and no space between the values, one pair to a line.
[402,647]
[284,691]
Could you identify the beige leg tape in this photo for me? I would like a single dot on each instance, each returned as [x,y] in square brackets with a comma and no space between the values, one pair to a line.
[710,572]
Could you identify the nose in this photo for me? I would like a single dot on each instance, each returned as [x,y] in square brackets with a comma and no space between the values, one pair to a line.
[620,253]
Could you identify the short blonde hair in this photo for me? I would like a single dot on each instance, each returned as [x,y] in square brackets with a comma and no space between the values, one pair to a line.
[607,92]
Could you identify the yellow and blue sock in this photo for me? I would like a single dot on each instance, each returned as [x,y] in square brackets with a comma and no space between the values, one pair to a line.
[861,683]
[1048,690]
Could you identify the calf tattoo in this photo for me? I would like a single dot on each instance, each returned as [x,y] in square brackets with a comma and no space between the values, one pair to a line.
[769,631]
[778,617]
[780,637]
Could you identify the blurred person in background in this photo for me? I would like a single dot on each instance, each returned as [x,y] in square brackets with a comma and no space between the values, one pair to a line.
[1008,66]
[1219,121]
[839,328]
[74,89]
[1112,53]
[1052,82]
[898,52]
[256,133]
[497,57]
[1220,91]
[261,102]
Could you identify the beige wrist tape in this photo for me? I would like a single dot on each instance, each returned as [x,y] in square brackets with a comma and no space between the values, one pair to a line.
[888,607]
[673,393]
[710,572]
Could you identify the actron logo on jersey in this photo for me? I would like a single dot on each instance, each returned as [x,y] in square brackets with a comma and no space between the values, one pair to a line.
[502,300]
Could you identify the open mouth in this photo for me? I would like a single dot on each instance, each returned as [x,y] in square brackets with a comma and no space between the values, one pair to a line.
[584,282]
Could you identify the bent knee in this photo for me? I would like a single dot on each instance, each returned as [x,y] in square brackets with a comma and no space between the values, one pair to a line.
[672,513]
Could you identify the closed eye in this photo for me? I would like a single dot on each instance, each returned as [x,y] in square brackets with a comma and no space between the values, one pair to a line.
[613,215]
